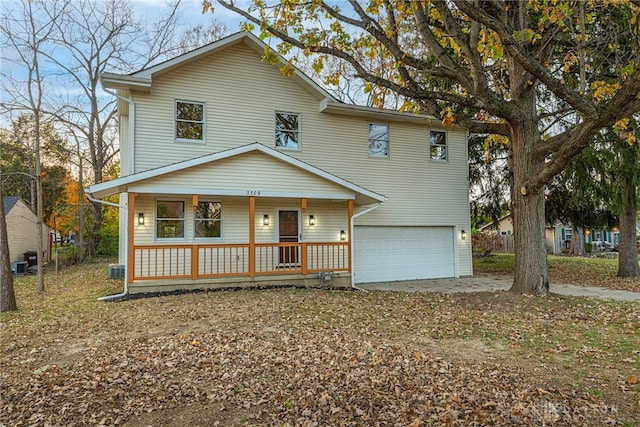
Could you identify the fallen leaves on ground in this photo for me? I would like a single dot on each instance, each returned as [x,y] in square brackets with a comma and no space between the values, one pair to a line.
[300,357]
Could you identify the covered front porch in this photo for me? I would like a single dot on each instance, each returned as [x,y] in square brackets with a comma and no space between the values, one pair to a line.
[250,215]
[288,254]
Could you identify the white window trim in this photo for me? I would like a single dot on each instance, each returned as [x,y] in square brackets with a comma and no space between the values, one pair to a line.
[155,222]
[275,124]
[379,156]
[204,122]
[446,146]
[209,239]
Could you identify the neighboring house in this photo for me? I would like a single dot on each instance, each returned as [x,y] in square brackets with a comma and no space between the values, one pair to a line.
[502,227]
[559,235]
[22,228]
[233,174]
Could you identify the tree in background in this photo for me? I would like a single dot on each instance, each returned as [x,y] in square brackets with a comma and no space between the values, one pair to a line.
[489,179]
[24,33]
[7,294]
[90,38]
[200,35]
[494,67]
[622,181]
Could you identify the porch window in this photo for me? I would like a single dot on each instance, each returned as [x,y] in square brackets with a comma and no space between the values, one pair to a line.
[189,121]
[378,140]
[208,220]
[169,219]
[438,142]
[288,130]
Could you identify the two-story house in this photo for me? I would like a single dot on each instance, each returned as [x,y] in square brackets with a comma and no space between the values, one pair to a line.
[234,174]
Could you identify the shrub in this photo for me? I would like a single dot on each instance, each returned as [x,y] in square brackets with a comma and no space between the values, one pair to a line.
[486,242]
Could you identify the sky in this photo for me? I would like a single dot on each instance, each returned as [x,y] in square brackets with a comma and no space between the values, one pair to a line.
[191,11]
[190,15]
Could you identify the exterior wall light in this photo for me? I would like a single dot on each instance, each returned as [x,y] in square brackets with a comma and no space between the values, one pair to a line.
[343,235]
[463,235]
[140,218]
[265,220]
[312,220]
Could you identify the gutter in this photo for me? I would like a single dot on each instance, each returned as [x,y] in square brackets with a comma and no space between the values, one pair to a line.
[351,228]
[125,291]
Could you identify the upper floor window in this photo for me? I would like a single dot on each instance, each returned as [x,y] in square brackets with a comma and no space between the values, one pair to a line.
[438,143]
[208,220]
[378,140]
[190,121]
[288,130]
[169,219]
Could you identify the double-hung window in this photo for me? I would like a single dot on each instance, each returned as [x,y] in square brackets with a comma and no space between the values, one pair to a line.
[190,121]
[438,145]
[169,219]
[288,130]
[378,140]
[208,220]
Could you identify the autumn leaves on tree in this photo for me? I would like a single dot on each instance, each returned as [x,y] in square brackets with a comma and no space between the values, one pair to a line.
[549,76]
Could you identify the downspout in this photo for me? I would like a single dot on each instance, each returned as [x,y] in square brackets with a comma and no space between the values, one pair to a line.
[125,291]
[351,228]
[132,134]
[132,121]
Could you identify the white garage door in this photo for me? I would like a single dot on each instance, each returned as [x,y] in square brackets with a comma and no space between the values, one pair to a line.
[403,253]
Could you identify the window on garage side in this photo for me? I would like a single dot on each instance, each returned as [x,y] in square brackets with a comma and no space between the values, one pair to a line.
[190,121]
[169,219]
[208,220]
[438,145]
[378,140]
[288,130]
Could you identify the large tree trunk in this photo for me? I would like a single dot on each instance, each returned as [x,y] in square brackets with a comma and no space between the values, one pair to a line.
[7,294]
[527,211]
[531,274]
[628,252]
[531,271]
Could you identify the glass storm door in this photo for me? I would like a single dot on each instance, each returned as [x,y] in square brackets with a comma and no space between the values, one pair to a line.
[288,232]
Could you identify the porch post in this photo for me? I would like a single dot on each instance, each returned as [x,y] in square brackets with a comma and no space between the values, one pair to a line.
[252,236]
[303,245]
[194,248]
[131,206]
[350,228]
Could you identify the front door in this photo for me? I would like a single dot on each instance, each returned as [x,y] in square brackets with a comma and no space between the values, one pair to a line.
[288,232]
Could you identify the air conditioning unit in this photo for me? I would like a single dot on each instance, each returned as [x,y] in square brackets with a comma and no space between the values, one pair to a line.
[19,268]
[115,271]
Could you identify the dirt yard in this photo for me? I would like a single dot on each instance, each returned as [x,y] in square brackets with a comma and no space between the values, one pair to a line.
[302,357]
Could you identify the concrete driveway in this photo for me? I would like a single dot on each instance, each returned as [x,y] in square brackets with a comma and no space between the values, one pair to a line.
[493,283]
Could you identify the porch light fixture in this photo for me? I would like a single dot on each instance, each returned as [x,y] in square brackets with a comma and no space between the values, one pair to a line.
[343,235]
[265,220]
[312,220]
[463,235]
[141,218]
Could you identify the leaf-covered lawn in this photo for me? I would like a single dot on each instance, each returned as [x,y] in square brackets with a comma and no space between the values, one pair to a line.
[582,271]
[314,357]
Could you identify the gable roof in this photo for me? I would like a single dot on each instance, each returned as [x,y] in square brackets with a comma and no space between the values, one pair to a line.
[142,80]
[9,202]
[108,188]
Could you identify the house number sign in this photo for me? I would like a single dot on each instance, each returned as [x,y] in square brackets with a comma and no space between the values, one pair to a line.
[253,192]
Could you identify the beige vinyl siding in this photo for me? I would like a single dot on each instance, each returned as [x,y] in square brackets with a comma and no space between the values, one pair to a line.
[331,217]
[122,224]
[251,172]
[22,232]
[242,94]
[125,158]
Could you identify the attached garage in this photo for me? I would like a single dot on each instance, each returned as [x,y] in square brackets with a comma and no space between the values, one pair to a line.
[403,253]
